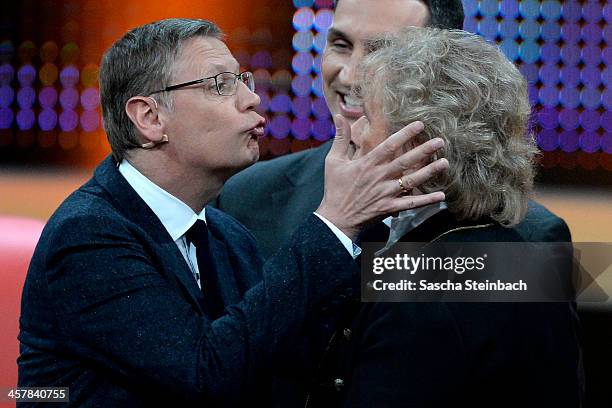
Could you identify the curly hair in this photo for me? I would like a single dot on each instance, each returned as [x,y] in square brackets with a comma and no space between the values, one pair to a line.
[468,93]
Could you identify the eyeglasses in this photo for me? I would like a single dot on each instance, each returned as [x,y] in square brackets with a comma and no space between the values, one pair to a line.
[226,83]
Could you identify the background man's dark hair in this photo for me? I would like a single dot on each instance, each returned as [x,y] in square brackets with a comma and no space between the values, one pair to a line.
[444,14]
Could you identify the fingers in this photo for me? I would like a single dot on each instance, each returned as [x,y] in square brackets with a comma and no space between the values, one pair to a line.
[340,145]
[419,155]
[388,149]
[403,203]
[414,179]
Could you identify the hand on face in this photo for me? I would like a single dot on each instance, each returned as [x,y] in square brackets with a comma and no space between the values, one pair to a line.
[367,189]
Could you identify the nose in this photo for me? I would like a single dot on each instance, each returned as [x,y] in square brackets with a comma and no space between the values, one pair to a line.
[247,99]
[346,76]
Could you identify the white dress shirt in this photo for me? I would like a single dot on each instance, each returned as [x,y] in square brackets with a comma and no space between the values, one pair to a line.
[177,217]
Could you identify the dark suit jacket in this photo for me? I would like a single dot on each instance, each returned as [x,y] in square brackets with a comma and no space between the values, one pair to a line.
[111,309]
[455,354]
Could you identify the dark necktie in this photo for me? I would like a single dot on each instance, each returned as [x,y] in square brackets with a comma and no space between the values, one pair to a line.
[198,235]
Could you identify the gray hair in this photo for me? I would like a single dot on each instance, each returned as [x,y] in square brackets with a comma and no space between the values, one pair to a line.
[442,13]
[468,93]
[139,63]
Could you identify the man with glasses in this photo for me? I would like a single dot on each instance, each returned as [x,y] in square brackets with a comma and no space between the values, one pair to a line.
[138,295]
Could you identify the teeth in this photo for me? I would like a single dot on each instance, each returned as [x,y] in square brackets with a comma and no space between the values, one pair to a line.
[354,102]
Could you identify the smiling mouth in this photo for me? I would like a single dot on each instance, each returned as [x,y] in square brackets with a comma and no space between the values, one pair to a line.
[350,106]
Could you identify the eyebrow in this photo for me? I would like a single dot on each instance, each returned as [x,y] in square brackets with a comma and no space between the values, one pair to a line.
[218,68]
[335,34]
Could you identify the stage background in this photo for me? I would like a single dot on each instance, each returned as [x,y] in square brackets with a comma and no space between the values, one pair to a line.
[51,135]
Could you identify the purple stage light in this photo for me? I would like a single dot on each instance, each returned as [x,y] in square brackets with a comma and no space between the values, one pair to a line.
[264,105]
[532,92]
[551,31]
[47,97]
[569,119]
[90,120]
[301,85]
[323,129]
[606,143]
[488,27]
[26,75]
[26,97]
[303,19]
[69,98]
[589,120]
[549,74]
[470,8]
[316,64]
[317,86]
[6,96]
[68,120]
[302,63]
[470,24]
[280,103]
[606,99]
[589,142]
[590,76]
[607,13]
[529,29]
[530,72]
[69,76]
[551,10]
[25,119]
[529,51]
[510,48]
[323,20]
[90,98]
[548,118]
[529,8]
[301,106]
[591,34]
[47,119]
[550,53]
[320,109]
[488,8]
[570,32]
[320,40]
[7,72]
[592,12]
[568,141]
[508,9]
[508,28]
[590,98]
[280,126]
[319,4]
[261,59]
[606,121]
[301,128]
[570,75]
[548,140]
[569,97]
[570,54]
[571,11]
[6,118]
[591,54]
[263,79]
[302,41]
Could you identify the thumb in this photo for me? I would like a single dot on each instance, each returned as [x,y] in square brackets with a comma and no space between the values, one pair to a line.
[343,136]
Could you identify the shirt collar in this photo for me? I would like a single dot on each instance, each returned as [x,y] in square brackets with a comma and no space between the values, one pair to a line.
[176,216]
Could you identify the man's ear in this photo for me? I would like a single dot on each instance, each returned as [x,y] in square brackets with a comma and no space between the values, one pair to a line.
[143,111]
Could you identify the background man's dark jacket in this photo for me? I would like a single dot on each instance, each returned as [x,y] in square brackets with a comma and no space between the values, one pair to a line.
[111,310]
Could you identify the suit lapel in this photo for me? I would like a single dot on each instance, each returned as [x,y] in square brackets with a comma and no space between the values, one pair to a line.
[129,203]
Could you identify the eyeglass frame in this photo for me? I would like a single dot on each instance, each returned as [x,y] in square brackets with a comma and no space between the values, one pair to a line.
[202,80]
